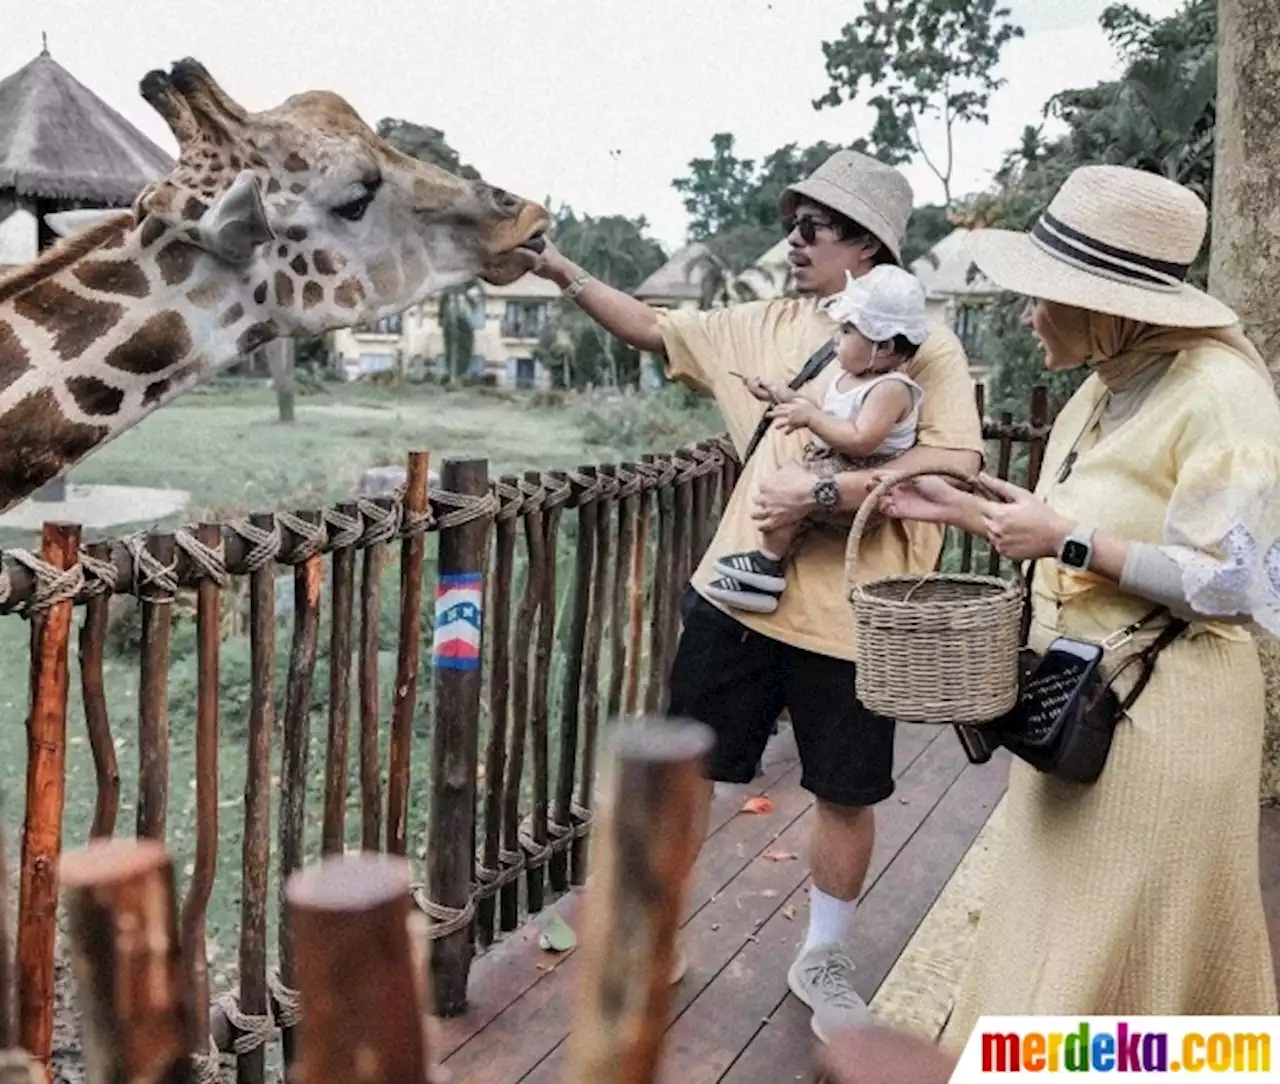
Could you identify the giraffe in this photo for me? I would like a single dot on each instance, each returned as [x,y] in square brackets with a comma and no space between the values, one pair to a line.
[296,220]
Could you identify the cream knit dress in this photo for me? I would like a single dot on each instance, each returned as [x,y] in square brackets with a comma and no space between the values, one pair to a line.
[1140,893]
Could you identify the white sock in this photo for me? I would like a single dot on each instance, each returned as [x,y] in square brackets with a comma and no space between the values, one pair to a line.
[830,919]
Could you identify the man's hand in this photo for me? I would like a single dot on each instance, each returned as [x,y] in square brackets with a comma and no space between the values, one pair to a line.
[552,264]
[1023,528]
[785,497]
[796,414]
[875,1054]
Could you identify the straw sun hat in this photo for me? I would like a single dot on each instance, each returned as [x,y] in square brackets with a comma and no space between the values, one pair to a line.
[1114,240]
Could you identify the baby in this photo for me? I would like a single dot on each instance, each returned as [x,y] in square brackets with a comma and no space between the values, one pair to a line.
[867,417]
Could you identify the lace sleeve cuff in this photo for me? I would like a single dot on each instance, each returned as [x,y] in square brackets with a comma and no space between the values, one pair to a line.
[1149,571]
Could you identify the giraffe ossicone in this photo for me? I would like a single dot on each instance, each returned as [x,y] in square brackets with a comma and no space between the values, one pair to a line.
[295,220]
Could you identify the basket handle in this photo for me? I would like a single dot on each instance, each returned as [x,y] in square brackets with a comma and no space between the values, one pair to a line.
[869,505]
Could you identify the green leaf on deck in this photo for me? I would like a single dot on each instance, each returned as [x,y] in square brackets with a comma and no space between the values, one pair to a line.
[557,935]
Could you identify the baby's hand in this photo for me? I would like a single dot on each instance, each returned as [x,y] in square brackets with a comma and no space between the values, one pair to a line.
[793,415]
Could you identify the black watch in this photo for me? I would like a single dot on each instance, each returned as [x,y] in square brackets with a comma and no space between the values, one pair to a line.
[826,493]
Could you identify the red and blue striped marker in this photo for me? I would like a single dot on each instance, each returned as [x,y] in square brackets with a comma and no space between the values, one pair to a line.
[459,618]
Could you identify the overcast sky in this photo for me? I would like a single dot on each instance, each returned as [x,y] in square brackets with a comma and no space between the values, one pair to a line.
[595,103]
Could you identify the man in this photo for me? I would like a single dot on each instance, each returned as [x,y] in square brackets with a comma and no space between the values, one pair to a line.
[737,671]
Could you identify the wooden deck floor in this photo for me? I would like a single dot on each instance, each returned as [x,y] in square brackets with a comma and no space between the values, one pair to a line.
[734,1018]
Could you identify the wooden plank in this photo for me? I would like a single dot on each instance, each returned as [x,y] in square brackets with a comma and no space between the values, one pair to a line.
[718,934]
[504,1048]
[510,968]
[1269,856]
[782,1049]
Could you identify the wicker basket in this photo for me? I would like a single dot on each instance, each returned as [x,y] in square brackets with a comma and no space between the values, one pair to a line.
[937,647]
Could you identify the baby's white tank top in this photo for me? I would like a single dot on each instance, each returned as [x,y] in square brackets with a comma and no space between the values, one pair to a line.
[848,405]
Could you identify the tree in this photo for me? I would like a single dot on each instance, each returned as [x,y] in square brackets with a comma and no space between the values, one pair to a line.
[426,144]
[925,57]
[616,250]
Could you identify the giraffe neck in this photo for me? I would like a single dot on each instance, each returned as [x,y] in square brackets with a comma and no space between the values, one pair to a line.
[102,331]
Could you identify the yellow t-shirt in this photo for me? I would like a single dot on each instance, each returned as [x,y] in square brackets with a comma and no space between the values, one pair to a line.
[773,339]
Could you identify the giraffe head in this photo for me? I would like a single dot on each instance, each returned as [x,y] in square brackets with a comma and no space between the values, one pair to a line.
[325,223]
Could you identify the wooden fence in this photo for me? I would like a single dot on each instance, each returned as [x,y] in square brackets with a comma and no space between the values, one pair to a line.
[511,811]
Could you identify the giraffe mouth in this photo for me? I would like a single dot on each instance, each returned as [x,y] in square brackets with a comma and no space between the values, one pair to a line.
[536,243]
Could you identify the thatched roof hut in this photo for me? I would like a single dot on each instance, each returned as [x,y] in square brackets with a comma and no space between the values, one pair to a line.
[61,144]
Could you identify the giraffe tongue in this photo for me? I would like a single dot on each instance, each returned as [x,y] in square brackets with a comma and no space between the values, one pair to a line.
[536,243]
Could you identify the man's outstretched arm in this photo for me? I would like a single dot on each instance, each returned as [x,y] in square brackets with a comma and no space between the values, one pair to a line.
[786,497]
[620,314]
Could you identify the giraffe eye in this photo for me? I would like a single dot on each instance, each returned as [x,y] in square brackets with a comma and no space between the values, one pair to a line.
[360,195]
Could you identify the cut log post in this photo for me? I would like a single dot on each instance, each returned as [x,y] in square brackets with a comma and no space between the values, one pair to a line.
[643,855]
[46,786]
[135,1001]
[363,1017]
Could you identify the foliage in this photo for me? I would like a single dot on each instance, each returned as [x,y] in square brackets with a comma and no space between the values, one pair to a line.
[1158,116]
[921,57]
[616,250]
[636,424]
[426,144]
[733,202]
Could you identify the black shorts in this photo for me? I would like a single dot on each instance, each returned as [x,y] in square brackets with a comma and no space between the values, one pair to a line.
[737,682]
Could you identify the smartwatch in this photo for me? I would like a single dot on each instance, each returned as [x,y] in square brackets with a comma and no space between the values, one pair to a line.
[1076,550]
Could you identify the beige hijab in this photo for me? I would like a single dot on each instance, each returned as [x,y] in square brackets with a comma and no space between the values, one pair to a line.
[1118,349]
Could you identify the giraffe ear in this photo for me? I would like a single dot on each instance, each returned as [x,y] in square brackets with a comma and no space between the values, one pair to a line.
[235,223]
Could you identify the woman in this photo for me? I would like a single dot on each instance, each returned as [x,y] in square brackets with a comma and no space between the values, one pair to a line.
[1138,894]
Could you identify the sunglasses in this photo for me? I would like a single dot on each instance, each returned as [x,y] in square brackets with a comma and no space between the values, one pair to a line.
[808,227]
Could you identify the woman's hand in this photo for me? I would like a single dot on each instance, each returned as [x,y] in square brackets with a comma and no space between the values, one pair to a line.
[793,415]
[874,1054]
[1023,527]
[767,391]
[930,499]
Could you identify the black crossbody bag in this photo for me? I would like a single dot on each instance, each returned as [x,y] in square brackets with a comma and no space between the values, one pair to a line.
[1066,715]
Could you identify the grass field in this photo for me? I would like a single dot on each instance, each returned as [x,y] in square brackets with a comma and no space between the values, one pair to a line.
[228,450]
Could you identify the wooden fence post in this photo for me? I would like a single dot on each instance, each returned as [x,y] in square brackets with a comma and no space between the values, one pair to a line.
[46,785]
[457,652]
[644,854]
[93,639]
[356,973]
[405,698]
[155,568]
[136,1005]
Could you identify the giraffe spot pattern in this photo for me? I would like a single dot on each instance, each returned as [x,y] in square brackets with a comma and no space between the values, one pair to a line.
[273,186]
[152,230]
[384,273]
[296,233]
[299,264]
[282,251]
[14,360]
[208,293]
[255,335]
[312,295]
[155,392]
[193,209]
[158,344]
[284,290]
[324,262]
[297,188]
[113,277]
[75,322]
[295,163]
[158,389]
[94,396]
[233,315]
[37,441]
[349,294]
[260,293]
[176,262]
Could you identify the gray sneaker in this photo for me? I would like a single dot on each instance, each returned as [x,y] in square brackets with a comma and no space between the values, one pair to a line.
[823,980]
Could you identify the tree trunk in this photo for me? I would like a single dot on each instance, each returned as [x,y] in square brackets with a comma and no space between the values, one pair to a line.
[1244,267]
[280,355]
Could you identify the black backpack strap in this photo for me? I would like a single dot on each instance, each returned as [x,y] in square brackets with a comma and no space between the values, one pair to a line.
[816,363]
